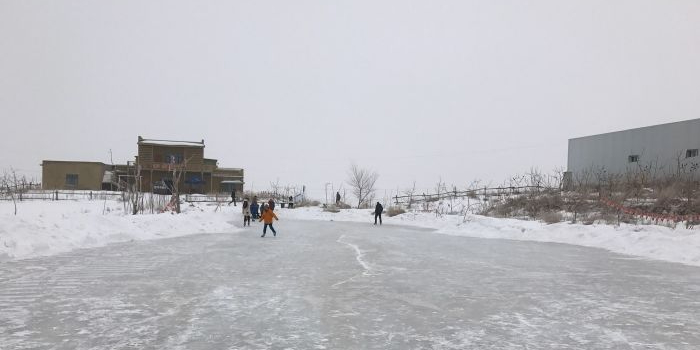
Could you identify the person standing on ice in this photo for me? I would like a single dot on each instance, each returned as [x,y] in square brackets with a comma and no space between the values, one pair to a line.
[271,204]
[263,207]
[246,212]
[378,213]
[267,216]
[233,198]
[254,208]
[337,198]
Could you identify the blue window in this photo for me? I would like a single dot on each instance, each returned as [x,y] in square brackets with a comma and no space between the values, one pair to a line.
[71,180]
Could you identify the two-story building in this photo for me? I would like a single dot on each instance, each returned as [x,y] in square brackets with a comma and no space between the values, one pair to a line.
[154,166]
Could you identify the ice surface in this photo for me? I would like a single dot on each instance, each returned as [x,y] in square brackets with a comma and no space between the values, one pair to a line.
[403,288]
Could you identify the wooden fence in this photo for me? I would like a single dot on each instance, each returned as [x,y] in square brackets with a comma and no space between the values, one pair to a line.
[479,193]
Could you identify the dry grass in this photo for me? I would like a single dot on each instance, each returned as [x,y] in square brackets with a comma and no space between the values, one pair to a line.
[393,211]
[307,203]
[331,209]
[551,217]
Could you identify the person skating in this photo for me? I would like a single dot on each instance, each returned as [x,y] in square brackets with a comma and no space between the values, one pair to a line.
[246,212]
[267,216]
[378,213]
[233,198]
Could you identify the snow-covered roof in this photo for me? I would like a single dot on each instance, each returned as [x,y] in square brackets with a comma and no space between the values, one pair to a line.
[108,177]
[229,169]
[143,141]
[232,182]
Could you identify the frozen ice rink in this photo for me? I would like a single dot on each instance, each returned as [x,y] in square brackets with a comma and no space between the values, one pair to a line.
[332,285]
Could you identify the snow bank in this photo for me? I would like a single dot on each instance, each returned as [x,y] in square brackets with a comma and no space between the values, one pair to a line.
[46,227]
[656,242]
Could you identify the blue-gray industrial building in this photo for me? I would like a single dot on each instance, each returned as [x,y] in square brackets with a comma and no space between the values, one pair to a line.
[662,148]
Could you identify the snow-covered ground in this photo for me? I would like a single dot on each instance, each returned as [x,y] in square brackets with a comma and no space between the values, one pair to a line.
[46,228]
[43,228]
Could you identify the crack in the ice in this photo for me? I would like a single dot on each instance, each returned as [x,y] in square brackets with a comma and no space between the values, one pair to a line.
[358,256]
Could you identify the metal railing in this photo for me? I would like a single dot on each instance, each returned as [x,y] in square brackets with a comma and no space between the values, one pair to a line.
[58,195]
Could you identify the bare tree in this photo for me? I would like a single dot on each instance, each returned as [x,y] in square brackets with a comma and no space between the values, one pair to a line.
[275,186]
[8,182]
[135,191]
[178,170]
[362,181]
[410,193]
[576,199]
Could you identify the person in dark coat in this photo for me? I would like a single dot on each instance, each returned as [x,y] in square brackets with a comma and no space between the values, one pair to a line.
[233,198]
[271,204]
[291,202]
[378,213]
[337,198]
[246,212]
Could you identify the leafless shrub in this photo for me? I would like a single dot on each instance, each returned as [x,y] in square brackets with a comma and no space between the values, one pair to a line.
[598,217]
[409,193]
[10,183]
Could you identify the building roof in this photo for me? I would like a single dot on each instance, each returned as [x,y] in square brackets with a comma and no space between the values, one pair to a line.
[232,182]
[228,169]
[173,143]
[639,128]
[70,161]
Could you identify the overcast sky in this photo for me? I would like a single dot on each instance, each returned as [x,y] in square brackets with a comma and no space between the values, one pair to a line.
[297,90]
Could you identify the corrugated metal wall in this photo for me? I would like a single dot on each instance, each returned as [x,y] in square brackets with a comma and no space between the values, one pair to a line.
[659,145]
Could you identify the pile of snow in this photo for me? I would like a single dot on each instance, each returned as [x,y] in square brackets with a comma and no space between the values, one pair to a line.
[656,242]
[49,227]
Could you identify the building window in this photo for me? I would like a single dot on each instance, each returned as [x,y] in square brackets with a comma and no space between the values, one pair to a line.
[174,158]
[633,158]
[691,153]
[71,180]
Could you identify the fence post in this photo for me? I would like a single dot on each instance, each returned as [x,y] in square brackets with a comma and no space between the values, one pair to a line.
[90,195]
[55,195]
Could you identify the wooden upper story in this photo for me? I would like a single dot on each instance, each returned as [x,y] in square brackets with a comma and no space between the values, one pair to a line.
[164,154]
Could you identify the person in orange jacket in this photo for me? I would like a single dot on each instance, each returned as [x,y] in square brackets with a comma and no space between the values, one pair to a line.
[267,216]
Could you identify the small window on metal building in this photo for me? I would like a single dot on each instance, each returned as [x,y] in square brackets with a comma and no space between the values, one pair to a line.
[691,153]
[633,158]
[71,180]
